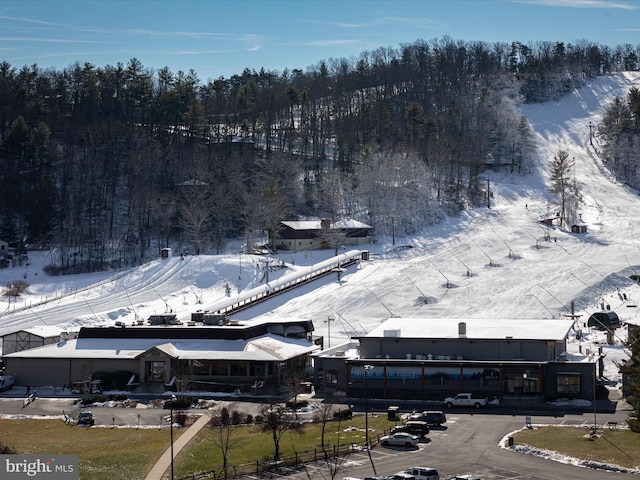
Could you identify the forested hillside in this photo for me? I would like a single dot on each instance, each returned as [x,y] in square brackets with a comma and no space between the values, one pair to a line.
[108,164]
[618,137]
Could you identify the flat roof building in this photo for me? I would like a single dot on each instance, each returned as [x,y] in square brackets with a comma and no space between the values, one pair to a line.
[431,358]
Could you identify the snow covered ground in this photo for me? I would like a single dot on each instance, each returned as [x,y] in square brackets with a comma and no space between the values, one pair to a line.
[488,263]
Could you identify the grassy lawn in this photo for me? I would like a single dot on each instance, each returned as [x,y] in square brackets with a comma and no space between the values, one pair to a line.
[104,453]
[618,447]
[129,453]
[248,444]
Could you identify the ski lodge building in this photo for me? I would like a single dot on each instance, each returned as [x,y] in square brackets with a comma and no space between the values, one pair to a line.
[213,354]
[517,361]
[300,235]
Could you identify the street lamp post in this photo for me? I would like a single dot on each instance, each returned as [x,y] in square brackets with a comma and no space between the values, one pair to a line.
[367,369]
[594,432]
[173,399]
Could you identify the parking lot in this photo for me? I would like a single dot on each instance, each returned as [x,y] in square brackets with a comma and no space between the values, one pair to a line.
[468,443]
[359,462]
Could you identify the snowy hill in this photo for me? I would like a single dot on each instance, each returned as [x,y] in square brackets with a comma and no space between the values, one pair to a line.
[490,263]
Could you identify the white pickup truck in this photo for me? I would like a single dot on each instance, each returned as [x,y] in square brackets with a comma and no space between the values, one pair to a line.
[466,400]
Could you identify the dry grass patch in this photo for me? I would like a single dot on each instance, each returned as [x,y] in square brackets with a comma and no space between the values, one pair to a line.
[104,453]
[129,454]
[612,446]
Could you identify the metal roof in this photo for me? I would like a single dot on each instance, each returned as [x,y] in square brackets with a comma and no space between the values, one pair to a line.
[477,329]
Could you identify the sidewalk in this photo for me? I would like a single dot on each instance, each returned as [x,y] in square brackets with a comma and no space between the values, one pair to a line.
[164,463]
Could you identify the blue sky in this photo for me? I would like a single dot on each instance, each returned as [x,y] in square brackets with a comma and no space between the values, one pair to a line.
[222,38]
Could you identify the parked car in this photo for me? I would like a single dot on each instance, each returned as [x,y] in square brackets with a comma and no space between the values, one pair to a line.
[6,382]
[395,476]
[401,439]
[423,473]
[433,418]
[401,476]
[86,418]
[415,427]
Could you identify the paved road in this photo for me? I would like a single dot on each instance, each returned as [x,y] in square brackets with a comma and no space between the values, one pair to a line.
[468,443]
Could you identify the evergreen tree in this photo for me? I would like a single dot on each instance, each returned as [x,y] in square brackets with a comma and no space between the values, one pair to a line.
[561,168]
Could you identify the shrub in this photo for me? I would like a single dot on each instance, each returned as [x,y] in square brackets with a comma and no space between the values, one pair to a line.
[634,424]
[343,414]
[236,418]
[180,418]
[214,422]
[224,416]
[6,450]
[90,400]
[15,288]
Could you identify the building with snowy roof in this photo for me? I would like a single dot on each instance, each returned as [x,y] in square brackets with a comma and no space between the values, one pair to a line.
[34,337]
[235,355]
[518,361]
[300,235]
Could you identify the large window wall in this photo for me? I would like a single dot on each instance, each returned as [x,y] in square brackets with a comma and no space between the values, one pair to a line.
[429,381]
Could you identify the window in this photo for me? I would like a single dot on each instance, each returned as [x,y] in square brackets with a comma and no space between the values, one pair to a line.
[257,370]
[568,383]
[220,368]
[200,367]
[238,369]
[156,371]
[331,377]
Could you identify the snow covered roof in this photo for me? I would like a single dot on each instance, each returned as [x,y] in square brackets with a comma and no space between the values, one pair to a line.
[317,224]
[44,331]
[480,329]
[264,348]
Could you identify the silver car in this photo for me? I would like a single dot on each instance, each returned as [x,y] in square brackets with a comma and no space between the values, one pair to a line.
[423,473]
[400,439]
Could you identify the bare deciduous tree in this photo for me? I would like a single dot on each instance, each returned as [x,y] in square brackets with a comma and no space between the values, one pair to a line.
[224,438]
[562,187]
[277,420]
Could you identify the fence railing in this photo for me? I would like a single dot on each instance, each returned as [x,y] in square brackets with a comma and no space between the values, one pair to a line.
[262,468]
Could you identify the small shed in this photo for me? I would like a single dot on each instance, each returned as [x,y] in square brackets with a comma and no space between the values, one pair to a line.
[605,320]
[393,413]
[165,253]
[551,219]
[579,228]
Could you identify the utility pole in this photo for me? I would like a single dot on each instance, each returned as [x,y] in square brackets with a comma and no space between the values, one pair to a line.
[393,230]
[488,194]
[328,322]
